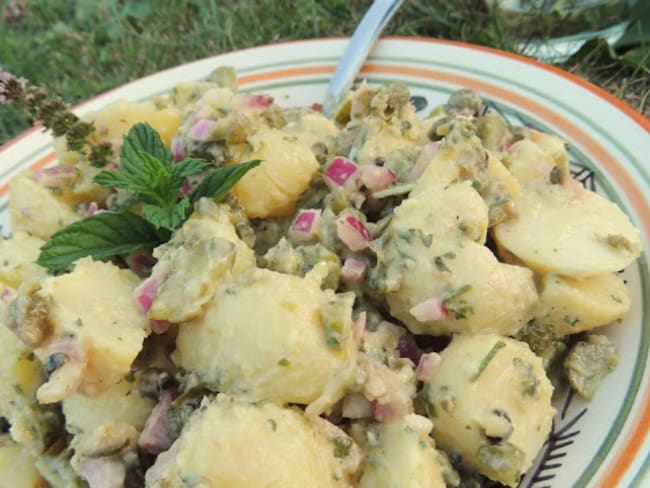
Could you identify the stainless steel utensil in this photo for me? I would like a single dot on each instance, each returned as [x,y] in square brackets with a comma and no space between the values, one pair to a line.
[356,52]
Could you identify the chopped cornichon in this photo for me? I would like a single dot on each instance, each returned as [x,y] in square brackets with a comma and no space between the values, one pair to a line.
[342,446]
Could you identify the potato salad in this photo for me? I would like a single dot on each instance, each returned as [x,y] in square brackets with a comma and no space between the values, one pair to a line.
[250,296]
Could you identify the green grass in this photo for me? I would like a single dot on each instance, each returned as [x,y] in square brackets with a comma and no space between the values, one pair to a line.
[78,48]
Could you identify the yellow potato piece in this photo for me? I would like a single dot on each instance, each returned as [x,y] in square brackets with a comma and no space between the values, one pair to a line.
[440,210]
[35,209]
[497,170]
[235,444]
[17,466]
[500,297]
[534,157]
[567,232]
[436,247]
[18,255]
[271,189]
[404,456]
[114,121]
[574,305]
[262,336]
[118,403]
[498,435]
[106,322]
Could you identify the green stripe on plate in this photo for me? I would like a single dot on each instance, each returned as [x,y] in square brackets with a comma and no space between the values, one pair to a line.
[637,376]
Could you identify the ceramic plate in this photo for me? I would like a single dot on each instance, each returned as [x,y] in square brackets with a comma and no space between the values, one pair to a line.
[605,443]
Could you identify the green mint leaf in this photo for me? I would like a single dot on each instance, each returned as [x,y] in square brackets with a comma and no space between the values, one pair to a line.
[144,138]
[185,168]
[145,175]
[168,217]
[102,235]
[219,182]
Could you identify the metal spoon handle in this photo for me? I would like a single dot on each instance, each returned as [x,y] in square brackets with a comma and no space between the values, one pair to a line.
[356,52]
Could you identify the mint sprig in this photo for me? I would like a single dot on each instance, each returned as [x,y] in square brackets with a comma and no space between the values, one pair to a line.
[147,169]
[102,235]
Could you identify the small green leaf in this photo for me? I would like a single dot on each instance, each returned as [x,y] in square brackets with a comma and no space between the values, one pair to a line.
[168,217]
[219,182]
[100,236]
[187,167]
[486,360]
[144,138]
[146,176]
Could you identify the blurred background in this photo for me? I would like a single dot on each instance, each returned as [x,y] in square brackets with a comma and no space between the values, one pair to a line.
[79,48]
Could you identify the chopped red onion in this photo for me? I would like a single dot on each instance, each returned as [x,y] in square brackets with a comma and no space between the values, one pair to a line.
[359,326]
[427,366]
[92,209]
[201,130]
[306,225]
[258,101]
[155,437]
[341,172]
[385,412]
[353,270]
[408,348]
[159,326]
[70,347]
[428,152]
[55,175]
[429,310]
[177,149]
[352,232]
[376,178]
[103,472]
[187,187]
[146,291]
[141,263]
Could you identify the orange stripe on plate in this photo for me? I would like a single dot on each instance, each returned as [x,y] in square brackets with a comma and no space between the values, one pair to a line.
[631,448]
[285,73]
[40,163]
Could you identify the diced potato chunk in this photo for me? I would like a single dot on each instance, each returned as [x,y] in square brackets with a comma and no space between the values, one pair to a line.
[404,456]
[434,250]
[18,255]
[497,435]
[35,209]
[118,403]
[579,234]
[272,188]
[94,306]
[497,170]
[248,445]
[265,335]
[17,466]
[574,305]
[114,121]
